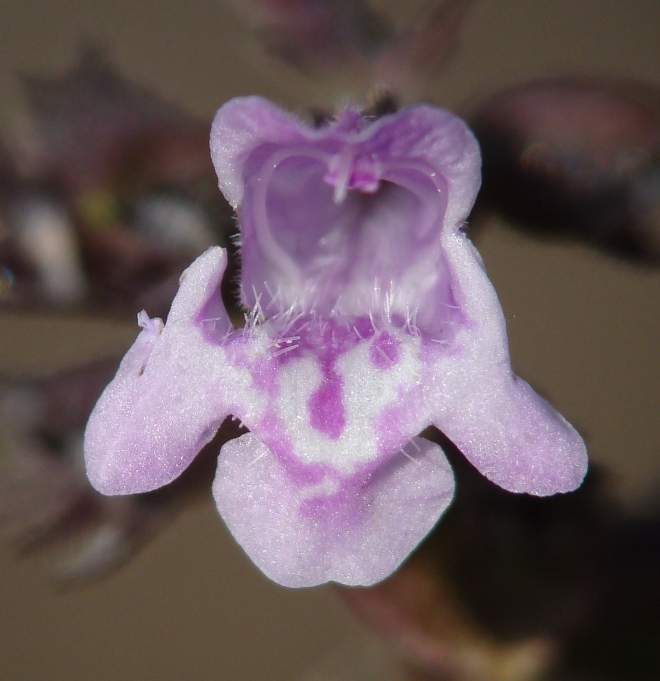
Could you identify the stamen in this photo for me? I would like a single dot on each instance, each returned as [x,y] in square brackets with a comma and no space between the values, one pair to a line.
[340,169]
[340,192]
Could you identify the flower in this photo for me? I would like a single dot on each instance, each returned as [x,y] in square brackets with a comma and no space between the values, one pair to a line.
[371,318]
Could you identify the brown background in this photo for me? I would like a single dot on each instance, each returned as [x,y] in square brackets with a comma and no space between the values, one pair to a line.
[583,328]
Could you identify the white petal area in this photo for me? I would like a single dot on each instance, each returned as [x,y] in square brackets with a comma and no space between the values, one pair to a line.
[367,390]
[357,537]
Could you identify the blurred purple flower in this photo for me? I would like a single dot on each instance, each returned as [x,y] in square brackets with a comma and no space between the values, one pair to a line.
[371,318]
[113,196]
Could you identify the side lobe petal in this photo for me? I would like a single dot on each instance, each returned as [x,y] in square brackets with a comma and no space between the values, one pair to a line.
[167,399]
[515,437]
[511,434]
[354,532]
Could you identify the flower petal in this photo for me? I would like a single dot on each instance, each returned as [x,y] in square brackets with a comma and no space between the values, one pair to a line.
[354,531]
[167,400]
[310,242]
[372,318]
[246,123]
[511,434]
[519,441]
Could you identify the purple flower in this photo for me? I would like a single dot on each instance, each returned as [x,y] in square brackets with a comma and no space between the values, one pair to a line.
[371,318]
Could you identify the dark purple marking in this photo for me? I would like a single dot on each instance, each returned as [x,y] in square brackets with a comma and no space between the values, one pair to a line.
[345,509]
[326,406]
[385,351]
[327,340]
[272,431]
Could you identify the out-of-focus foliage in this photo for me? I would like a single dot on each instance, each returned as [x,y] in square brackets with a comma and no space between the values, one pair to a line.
[353,46]
[577,158]
[512,587]
[115,198]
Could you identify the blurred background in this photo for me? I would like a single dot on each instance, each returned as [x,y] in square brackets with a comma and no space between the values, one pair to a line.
[583,329]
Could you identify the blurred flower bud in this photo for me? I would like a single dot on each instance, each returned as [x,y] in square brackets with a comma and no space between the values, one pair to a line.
[415,55]
[312,33]
[496,589]
[355,46]
[576,157]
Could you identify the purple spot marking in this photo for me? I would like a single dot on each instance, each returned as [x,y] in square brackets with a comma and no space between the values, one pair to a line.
[385,351]
[326,405]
